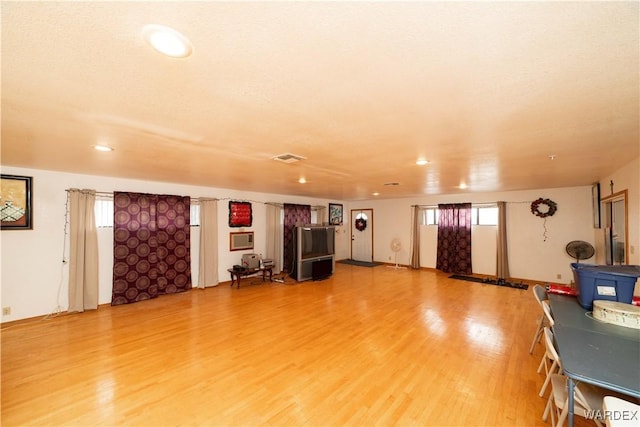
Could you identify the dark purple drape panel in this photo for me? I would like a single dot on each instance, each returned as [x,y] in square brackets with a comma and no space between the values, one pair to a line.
[293,215]
[454,238]
[151,246]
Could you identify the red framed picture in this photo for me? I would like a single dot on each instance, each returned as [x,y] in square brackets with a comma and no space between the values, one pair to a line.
[240,214]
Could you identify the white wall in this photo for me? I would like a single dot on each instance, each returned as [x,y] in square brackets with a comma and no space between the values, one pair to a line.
[34,278]
[530,256]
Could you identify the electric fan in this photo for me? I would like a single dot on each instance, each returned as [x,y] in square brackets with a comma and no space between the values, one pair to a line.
[579,249]
[396,245]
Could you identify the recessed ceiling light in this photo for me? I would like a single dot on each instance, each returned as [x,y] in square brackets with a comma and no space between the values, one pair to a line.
[421,162]
[102,148]
[463,185]
[552,157]
[376,194]
[302,180]
[167,41]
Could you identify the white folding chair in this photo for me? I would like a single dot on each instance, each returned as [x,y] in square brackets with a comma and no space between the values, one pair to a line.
[541,295]
[620,413]
[587,400]
[546,309]
[550,362]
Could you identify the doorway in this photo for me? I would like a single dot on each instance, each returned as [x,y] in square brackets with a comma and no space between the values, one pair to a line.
[616,228]
[362,235]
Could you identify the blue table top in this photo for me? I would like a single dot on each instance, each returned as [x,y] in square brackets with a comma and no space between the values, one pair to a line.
[593,351]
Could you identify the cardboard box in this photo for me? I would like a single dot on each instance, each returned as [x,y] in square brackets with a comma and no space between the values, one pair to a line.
[251,260]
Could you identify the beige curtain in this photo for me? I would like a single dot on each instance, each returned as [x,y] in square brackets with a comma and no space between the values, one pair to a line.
[208,268]
[83,245]
[415,237]
[502,258]
[274,236]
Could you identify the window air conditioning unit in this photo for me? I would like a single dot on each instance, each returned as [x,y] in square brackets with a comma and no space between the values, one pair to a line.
[241,241]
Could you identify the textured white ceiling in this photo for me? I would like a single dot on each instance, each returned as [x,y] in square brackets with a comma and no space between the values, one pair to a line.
[485,90]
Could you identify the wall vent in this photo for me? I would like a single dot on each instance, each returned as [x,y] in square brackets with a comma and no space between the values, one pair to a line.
[288,158]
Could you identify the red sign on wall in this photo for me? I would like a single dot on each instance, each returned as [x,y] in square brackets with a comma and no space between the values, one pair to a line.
[240,214]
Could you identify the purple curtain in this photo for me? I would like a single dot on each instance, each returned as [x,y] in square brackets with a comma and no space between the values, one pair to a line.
[293,215]
[151,246]
[454,238]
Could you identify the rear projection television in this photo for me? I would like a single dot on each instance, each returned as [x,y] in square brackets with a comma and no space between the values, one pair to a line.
[314,242]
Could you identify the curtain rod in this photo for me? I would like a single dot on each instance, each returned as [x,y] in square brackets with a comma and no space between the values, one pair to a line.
[281,205]
[109,194]
[472,204]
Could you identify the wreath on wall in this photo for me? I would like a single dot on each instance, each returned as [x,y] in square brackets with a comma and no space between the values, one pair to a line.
[551,209]
[361,224]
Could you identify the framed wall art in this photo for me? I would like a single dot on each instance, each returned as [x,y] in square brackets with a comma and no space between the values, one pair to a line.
[15,203]
[335,214]
[240,214]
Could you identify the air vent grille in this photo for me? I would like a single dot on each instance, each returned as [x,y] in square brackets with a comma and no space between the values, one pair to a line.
[288,158]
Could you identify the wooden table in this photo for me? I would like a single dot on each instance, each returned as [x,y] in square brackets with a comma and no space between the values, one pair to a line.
[594,352]
[236,275]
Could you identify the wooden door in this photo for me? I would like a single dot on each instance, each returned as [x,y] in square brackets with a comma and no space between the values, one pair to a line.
[362,235]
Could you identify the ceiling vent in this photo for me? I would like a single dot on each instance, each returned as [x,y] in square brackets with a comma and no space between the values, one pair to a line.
[288,158]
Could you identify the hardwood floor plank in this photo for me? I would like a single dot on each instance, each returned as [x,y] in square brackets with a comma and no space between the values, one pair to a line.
[368,346]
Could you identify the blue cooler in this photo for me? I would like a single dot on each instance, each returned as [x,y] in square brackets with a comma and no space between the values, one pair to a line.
[604,282]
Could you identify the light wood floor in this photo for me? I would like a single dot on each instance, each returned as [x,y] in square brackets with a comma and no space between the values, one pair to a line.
[369,346]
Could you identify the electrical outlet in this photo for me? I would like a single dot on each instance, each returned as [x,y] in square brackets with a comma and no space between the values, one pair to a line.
[558,276]
[6,311]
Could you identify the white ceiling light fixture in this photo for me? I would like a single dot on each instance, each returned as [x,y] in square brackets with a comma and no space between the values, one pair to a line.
[302,180]
[167,41]
[421,162]
[103,148]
